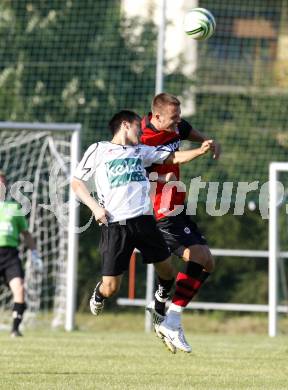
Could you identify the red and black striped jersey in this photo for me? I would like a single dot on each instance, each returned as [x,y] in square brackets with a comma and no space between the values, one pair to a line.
[165,201]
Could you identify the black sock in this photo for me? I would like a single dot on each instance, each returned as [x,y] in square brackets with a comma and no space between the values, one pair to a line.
[162,294]
[193,269]
[17,313]
[204,275]
[97,294]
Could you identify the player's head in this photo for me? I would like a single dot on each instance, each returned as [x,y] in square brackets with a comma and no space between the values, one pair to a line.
[3,179]
[166,111]
[128,123]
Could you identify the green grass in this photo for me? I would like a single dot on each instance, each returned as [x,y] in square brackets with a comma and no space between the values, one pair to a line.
[113,352]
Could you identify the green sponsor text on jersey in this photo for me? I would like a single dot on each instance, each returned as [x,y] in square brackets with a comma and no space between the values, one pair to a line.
[124,170]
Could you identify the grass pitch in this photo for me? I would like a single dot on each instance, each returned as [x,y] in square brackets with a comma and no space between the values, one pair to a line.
[113,352]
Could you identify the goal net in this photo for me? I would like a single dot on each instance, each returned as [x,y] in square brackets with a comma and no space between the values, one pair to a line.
[37,159]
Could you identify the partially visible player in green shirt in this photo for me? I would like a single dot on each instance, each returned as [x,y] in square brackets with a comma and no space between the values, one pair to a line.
[13,226]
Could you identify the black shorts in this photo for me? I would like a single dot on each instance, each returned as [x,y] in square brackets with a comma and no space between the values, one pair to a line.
[118,241]
[180,231]
[10,264]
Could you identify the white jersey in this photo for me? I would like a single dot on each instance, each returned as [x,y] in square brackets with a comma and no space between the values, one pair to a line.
[120,177]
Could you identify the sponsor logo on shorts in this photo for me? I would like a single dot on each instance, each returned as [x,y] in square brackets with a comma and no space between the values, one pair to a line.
[187,230]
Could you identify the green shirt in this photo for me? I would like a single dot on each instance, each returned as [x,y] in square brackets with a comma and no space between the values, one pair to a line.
[11,225]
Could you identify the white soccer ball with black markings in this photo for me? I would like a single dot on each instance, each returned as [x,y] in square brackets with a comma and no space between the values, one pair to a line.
[199,23]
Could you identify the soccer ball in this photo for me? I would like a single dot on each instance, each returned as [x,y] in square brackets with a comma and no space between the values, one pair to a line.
[199,23]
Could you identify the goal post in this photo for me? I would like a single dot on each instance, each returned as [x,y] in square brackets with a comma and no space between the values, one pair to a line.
[38,159]
[274,201]
[72,237]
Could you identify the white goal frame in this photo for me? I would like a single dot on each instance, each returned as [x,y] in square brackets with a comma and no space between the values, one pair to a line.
[274,169]
[72,254]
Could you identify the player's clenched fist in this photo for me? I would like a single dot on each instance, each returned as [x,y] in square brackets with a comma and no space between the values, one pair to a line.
[101,215]
[206,145]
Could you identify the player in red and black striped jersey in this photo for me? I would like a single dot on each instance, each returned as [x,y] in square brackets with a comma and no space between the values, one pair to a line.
[164,126]
[171,140]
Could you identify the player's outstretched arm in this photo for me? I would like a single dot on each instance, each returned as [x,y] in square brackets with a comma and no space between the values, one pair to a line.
[81,190]
[197,136]
[185,156]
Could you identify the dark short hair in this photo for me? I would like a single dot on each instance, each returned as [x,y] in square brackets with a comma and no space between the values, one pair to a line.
[162,100]
[121,116]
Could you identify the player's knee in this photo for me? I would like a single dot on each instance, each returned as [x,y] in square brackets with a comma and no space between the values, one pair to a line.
[109,289]
[207,260]
[200,254]
[20,289]
[17,288]
[209,263]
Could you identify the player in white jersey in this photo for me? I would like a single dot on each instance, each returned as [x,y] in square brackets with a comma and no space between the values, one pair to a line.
[123,206]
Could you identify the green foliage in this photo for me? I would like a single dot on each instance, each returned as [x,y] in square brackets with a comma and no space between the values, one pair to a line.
[246,129]
[235,279]
[68,62]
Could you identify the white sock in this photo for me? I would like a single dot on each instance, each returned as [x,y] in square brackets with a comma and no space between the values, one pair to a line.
[173,316]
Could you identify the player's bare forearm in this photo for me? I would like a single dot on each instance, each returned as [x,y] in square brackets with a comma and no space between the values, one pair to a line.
[185,156]
[81,190]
